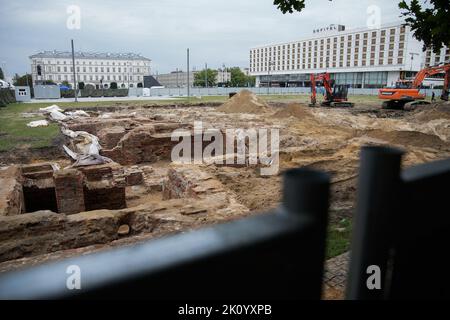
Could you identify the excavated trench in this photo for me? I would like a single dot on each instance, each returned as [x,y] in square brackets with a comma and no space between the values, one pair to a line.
[52,208]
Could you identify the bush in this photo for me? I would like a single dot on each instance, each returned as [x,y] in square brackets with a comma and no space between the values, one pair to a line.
[105,93]
[6,96]
[68,93]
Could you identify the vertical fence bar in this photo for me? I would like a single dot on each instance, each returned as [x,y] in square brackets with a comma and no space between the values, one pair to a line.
[378,192]
[306,194]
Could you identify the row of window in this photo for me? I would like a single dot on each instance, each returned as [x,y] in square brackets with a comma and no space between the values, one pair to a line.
[97,62]
[94,78]
[349,39]
[390,60]
[300,55]
[95,69]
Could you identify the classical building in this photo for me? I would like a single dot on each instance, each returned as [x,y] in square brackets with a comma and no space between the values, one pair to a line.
[360,58]
[98,69]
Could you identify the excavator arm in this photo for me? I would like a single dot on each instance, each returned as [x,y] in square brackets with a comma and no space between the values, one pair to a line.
[428,72]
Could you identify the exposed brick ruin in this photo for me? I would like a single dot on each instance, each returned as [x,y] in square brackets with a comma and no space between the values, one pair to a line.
[36,187]
[193,199]
[101,190]
[69,191]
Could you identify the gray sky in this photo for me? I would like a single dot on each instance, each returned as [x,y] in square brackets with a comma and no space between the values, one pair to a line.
[216,31]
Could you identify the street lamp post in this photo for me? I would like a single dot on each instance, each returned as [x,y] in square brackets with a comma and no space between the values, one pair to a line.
[74,72]
[269,83]
[412,59]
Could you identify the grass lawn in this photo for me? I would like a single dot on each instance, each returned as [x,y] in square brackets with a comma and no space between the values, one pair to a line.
[338,238]
[15,134]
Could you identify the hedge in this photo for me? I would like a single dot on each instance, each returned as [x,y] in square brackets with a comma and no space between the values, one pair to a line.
[104,93]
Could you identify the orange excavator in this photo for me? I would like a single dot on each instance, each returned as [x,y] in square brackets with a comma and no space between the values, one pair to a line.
[406,94]
[335,95]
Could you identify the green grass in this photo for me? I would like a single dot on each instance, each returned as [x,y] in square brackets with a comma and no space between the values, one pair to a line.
[338,238]
[15,134]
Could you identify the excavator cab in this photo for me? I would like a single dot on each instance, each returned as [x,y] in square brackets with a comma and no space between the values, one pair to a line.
[340,92]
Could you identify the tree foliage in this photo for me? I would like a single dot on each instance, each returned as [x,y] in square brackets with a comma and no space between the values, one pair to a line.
[2,76]
[290,6]
[430,24]
[199,78]
[429,21]
[22,80]
[240,79]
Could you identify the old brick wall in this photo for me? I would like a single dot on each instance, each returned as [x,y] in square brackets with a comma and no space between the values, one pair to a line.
[69,191]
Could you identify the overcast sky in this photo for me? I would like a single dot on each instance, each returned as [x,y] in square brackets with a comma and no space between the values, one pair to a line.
[217,31]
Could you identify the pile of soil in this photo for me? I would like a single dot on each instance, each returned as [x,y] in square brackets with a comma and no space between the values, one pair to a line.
[433,112]
[244,102]
[409,138]
[294,110]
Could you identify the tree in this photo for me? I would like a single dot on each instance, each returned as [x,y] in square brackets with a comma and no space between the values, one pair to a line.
[430,24]
[22,80]
[2,76]
[240,79]
[289,5]
[113,85]
[199,78]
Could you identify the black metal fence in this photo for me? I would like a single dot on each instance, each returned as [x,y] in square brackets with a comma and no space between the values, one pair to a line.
[401,226]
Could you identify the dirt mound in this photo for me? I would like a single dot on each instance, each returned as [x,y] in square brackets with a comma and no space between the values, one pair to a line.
[433,112]
[293,110]
[409,138]
[244,102]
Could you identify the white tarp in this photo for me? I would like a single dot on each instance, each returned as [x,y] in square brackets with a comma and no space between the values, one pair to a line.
[50,109]
[58,116]
[88,149]
[77,113]
[85,142]
[38,123]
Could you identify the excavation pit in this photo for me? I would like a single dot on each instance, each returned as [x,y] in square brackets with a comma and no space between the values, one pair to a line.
[50,211]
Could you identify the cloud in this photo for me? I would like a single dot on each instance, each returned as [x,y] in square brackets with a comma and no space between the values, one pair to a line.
[217,31]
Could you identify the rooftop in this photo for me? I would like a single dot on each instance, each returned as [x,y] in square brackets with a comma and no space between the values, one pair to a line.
[89,55]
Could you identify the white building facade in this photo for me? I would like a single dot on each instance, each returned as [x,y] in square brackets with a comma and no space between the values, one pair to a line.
[360,58]
[98,69]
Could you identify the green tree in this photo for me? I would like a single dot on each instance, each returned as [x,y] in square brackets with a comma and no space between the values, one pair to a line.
[24,80]
[429,21]
[240,79]
[199,78]
[2,76]
[430,24]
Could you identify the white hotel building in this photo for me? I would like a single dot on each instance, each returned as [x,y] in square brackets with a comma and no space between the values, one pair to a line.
[360,58]
[97,69]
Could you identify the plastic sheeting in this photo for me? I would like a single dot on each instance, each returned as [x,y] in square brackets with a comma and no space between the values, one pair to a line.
[85,142]
[37,123]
